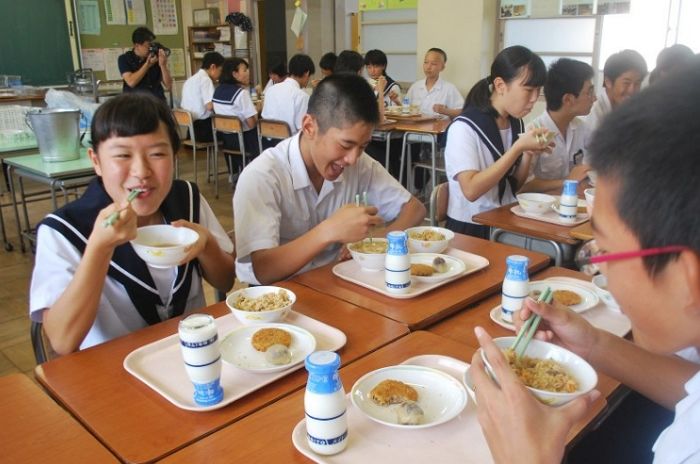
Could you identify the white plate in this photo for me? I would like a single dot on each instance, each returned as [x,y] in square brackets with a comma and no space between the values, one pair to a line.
[590,299]
[440,395]
[236,348]
[455,266]
[469,383]
[495,315]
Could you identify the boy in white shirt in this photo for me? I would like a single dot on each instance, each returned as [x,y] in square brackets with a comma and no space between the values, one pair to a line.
[569,93]
[287,100]
[197,93]
[434,95]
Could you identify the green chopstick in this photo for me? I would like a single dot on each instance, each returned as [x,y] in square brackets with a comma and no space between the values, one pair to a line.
[527,331]
[112,218]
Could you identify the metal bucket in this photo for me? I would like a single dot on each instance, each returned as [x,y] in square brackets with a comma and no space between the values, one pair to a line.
[57,133]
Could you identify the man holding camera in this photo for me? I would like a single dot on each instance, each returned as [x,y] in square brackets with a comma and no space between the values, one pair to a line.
[145,67]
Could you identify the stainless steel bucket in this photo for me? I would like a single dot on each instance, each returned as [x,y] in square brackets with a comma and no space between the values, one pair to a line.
[57,133]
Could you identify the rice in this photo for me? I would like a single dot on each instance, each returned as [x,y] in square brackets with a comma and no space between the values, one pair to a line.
[266,302]
[542,374]
[427,235]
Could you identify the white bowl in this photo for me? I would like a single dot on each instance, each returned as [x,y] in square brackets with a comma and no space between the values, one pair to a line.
[469,383]
[368,261]
[429,246]
[601,288]
[538,203]
[575,365]
[268,315]
[163,245]
[589,193]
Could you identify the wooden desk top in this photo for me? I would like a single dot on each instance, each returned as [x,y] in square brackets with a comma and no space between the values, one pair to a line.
[437,304]
[36,429]
[503,218]
[582,232]
[460,327]
[266,435]
[139,425]
[437,126]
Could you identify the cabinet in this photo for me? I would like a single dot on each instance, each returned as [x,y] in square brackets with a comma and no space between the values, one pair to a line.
[216,38]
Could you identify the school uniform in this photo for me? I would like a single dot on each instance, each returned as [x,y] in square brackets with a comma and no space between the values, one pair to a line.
[197,91]
[442,93]
[152,80]
[679,442]
[567,151]
[474,142]
[134,295]
[233,100]
[286,101]
[275,202]
[392,88]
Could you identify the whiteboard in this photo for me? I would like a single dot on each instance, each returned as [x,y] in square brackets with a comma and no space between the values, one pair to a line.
[397,39]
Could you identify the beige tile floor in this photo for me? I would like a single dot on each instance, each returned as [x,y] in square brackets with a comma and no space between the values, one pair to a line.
[16,353]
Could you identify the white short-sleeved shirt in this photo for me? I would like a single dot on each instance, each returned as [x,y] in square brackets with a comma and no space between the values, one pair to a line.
[275,201]
[559,163]
[197,91]
[241,106]
[592,120]
[57,260]
[394,89]
[466,152]
[442,93]
[680,441]
[286,101]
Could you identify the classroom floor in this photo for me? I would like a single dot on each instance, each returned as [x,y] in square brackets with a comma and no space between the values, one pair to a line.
[16,354]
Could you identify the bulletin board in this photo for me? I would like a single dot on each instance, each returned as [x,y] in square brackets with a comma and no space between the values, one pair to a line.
[101,51]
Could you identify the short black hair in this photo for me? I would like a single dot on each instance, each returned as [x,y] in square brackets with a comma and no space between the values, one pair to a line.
[621,62]
[141,35]
[280,69]
[300,64]
[349,61]
[328,61]
[212,58]
[648,149]
[376,57]
[343,99]
[565,76]
[231,65]
[440,51]
[132,113]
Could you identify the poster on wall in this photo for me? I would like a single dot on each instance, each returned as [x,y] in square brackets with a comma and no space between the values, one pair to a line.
[89,17]
[110,57]
[176,62]
[613,7]
[576,8]
[367,5]
[515,8]
[93,58]
[114,12]
[164,14]
[135,11]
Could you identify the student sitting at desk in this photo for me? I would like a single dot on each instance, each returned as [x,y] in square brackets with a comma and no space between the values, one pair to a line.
[488,151]
[197,94]
[143,69]
[569,93]
[232,98]
[277,74]
[287,100]
[645,218]
[327,63]
[375,63]
[88,284]
[349,61]
[294,206]
[434,95]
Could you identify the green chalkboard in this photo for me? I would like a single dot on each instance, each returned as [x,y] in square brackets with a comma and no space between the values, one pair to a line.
[34,41]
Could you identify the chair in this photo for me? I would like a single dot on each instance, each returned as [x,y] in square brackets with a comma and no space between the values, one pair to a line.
[438,204]
[226,125]
[184,120]
[42,348]
[272,129]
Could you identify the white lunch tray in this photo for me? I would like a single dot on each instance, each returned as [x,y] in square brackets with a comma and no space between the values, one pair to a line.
[374,280]
[459,440]
[601,315]
[159,364]
[550,216]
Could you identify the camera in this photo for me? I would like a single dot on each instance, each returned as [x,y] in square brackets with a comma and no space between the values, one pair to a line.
[155,46]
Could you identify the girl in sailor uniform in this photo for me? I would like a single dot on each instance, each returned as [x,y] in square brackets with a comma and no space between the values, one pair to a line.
[88,284]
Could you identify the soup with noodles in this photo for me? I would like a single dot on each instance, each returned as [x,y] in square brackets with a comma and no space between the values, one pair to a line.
[373,247]
[543,374]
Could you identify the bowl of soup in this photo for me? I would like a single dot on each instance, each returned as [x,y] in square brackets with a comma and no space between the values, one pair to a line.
[265,303]
[429,239]
[369,253]
[163,245]
[553,374]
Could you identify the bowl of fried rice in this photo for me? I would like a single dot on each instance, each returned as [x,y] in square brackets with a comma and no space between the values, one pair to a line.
[426,239]
[553,374]
[261,304]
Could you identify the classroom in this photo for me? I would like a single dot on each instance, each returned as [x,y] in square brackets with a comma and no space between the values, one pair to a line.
[350,231]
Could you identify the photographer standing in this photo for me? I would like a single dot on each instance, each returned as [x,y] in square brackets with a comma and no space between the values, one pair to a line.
[145,67]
